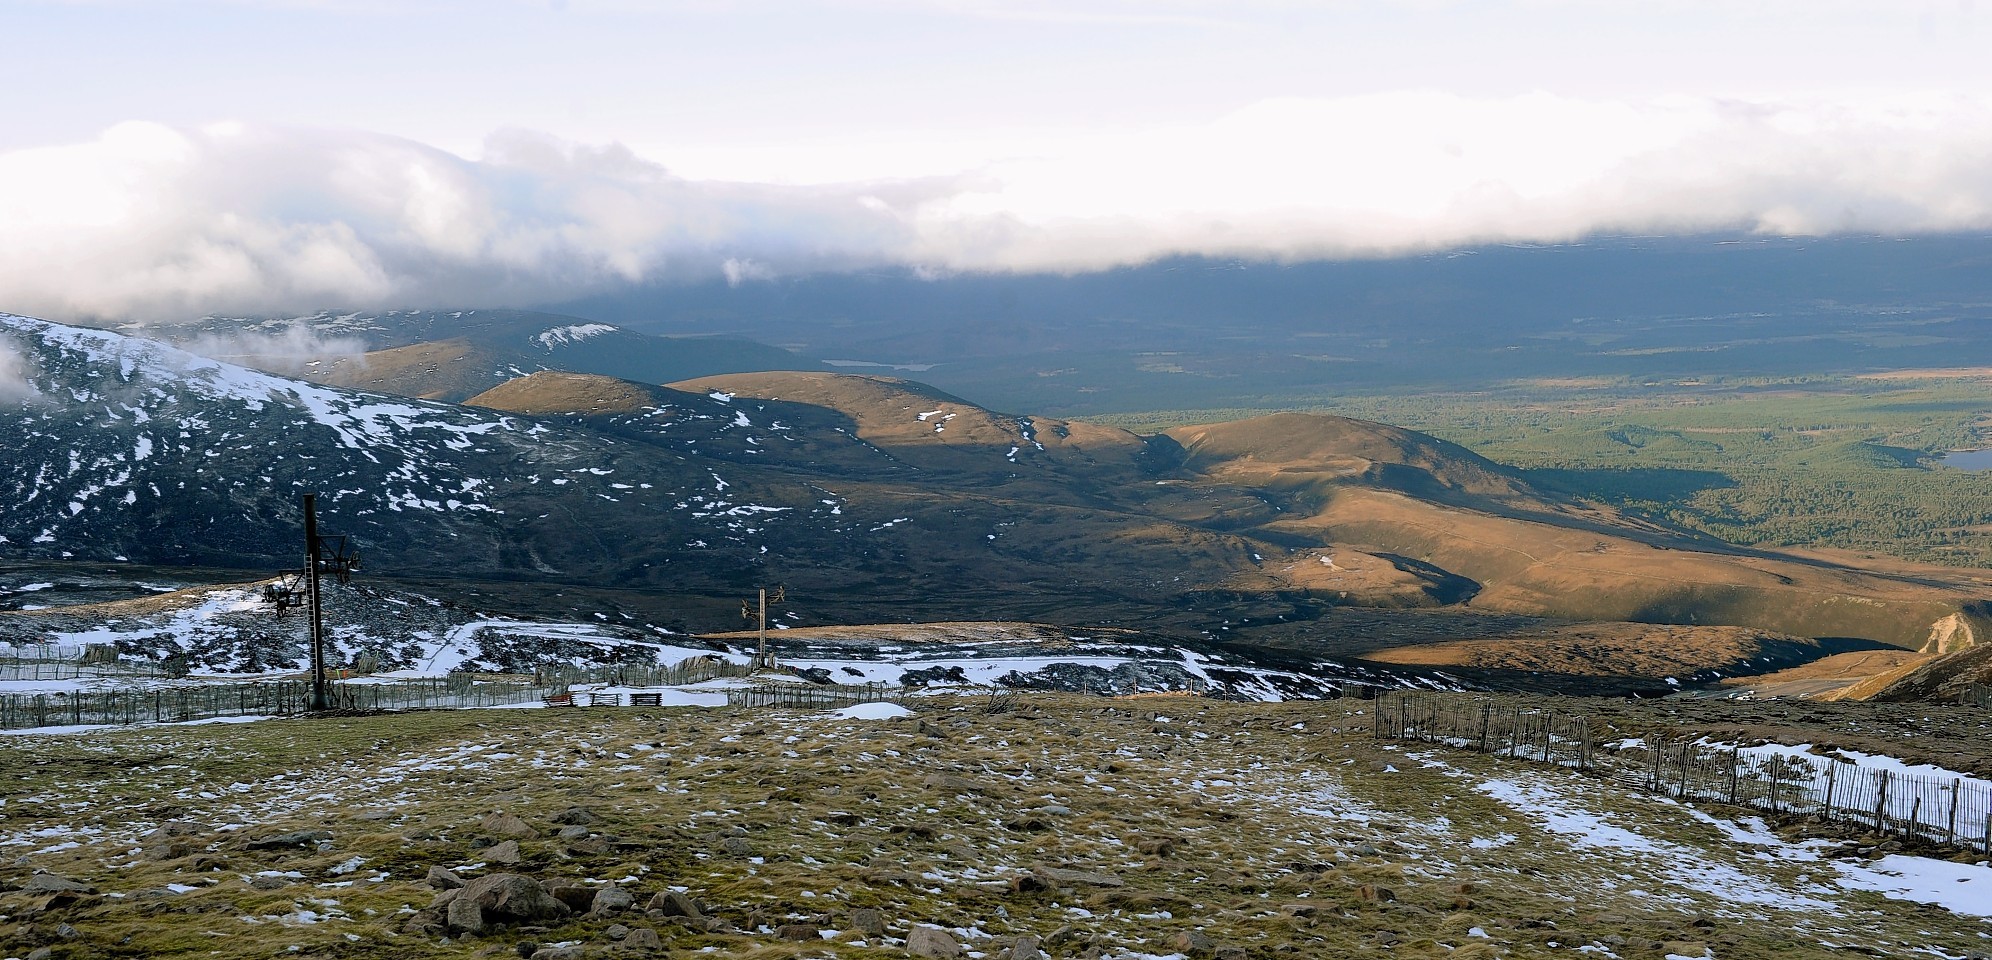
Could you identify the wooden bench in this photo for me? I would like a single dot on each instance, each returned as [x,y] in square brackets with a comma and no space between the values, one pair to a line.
[558,700]
[646,699]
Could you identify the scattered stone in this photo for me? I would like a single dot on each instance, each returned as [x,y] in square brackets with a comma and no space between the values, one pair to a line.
[611,900]
[578,897]
[868,921]
[295,840]
[926,941]
[575,832]
[797,931]
[464,916]
[510,898]
[1195,943]
[1685,948]
[577,817]
[1079,877]
[616,931]
[269,883]
[507,825]
[506,853]
[949,783]
[1028,882]
[572,952]
[1026,948]
[671,903]
[526,948]
[643,939]
[736,847]
[50,883]
[1067,934]
[443,878]
[176,828]
[1231,953]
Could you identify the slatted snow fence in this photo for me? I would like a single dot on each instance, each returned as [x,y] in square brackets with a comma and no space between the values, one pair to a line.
[1877,794]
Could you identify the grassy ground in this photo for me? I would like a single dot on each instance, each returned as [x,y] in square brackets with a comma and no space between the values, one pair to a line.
[1121,827]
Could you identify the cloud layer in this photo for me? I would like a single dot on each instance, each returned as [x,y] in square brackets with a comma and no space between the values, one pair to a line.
[154,222]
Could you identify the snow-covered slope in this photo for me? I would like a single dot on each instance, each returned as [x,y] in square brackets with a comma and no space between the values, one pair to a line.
[124,447]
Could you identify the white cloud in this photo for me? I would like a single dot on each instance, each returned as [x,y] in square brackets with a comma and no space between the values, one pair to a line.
[14,383]
[153,221]
[291,350]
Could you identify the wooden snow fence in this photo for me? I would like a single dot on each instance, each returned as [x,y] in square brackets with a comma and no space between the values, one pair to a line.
[799,696]
[1938,808]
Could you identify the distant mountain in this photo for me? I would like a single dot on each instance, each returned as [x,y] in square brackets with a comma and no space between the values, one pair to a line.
[1193,333]
[453,355]
[878,498]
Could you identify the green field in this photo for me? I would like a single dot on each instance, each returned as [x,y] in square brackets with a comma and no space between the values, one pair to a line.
[1827,461]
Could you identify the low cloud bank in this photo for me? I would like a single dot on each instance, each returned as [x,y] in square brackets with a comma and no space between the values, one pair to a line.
[154,222]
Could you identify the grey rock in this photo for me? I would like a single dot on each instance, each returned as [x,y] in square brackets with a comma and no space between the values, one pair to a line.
[50,883]
[736,847]
[577,817]
[578,897]
[1195,943]
[802,932]
[671,903]
[177,828]
[443,878]
[572,833]
[464,916]
[509,898]
[868,921]
[507,825]
[616,931]
[926,941]
[297,839]
[611,900]
[505,853]
[1026,948]
[1079,877]
[643,939]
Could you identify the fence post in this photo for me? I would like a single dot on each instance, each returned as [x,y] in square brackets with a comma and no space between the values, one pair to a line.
[1832,770]
[1486,714]
[1881,800]
[1950,831]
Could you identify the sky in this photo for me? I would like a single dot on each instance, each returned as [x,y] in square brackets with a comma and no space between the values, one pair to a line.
[166,159]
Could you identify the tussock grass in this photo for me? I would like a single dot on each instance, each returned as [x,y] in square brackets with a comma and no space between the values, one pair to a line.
[1117,825]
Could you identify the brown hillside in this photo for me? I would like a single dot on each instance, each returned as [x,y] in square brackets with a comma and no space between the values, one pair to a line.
[1284,449]
[937,430]
[1649,652]
[436,370]
[1932,680]
[550,392]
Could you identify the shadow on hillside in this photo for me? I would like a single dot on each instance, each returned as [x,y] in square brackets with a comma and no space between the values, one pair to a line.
[1654,484]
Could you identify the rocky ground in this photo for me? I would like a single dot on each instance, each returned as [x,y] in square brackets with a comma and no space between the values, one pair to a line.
[1011,826]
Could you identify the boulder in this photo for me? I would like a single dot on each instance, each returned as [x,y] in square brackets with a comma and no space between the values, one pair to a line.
[926,941]
[577,817]
[868,921]
[50,883]
[610,900]
[510,898]
[505,853]
[464,916]
[443,878]
[578,897]
[802,932]
[643,940]
[507,825]
[671,903]
[297,839]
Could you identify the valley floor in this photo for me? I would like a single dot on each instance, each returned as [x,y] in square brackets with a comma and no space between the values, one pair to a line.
[1133,827]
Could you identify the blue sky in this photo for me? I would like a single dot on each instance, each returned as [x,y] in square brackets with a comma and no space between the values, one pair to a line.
[166,157]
